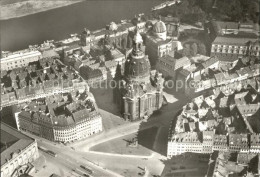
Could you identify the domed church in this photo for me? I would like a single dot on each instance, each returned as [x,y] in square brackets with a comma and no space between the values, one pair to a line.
[138,92]
[159,30]
[158,44]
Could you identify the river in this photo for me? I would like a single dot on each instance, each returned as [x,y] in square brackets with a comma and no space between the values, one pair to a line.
[58,23]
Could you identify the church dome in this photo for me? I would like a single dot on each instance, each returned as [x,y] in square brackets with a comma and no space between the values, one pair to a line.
[159,27]
[137,67]
[159,30]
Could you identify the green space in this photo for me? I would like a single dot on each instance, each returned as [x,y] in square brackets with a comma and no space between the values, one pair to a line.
[198,11]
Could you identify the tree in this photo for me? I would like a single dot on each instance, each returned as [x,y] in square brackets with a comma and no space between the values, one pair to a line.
[231,9]
[202,49]
[186,50]
[129,42]
[124,43]
[194,49]
[206,5]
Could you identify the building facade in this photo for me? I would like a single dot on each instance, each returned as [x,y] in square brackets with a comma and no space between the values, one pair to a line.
[138,92]
[235,47]
[58,119]
[19,59]
[207,142]
[158,44]
[18,151]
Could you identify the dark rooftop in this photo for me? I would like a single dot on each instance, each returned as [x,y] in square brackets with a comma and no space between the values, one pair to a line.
[12,141]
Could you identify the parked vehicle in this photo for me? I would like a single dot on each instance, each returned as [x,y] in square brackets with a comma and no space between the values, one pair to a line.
[52,153]
[86,169]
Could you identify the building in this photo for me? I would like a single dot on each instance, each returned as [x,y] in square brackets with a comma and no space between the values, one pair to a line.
[172,26]
[222,27]
[139,22]
[139,91]
[235,46]
[43,78]
[206,142]
[228,81]
[94,73]
[158,44]
[184,142]
[117,56]
[62,117]
[168,65]
[215,122]
[111,67]
[19,59]
[18,151]
[87,38]
[233,164]
[255,143]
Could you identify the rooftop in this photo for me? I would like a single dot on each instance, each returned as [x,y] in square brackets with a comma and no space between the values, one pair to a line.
[12,141]
[63,109]
[233,40]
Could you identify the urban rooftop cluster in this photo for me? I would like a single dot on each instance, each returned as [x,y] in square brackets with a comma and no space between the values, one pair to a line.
[62,117]
[39,79]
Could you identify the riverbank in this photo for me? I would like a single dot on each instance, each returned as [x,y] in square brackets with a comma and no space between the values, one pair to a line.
[57,24]
[20,8]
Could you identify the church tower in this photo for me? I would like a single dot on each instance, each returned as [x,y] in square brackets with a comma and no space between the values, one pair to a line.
[136,95]
[137,65]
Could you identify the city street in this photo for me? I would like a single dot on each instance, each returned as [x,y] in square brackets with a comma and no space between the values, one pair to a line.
[130,89]
[73,155]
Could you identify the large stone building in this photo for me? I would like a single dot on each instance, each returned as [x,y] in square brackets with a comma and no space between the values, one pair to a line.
[158,44]
[139,92]
[235,46]
[19,59]
[18,151]
[168,65]
[61,117]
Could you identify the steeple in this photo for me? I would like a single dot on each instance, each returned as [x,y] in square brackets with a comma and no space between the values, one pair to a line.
[118,74]
[137,42]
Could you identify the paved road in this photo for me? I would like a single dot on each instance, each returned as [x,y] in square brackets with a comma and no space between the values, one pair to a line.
[72,159]
[74,155]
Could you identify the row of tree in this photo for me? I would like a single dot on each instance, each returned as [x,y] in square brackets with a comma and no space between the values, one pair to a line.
[193,49]
[234,10]
[191,11]
[188,11]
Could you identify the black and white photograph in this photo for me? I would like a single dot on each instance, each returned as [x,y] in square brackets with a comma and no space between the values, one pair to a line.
[130,88]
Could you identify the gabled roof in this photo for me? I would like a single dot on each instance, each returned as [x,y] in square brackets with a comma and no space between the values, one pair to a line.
[210,62]
[223,102]
[241,95]
[249,109]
